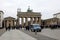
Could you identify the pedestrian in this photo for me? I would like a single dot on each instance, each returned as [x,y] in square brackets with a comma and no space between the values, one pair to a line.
[9,28]
[6,28]
[35,32]
[28,28]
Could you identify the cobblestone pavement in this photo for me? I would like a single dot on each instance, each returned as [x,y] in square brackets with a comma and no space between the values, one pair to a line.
[38,36]
[16,35]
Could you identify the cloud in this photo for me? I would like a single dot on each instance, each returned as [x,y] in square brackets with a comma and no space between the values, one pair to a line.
[44,6]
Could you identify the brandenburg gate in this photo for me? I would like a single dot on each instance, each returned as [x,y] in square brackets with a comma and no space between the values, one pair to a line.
[35,17]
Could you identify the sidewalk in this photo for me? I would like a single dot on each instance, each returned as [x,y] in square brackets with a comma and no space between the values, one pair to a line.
[16,35]
[54,33]
[2,31]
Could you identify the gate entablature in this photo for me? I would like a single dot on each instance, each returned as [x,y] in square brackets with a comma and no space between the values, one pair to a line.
[28,14]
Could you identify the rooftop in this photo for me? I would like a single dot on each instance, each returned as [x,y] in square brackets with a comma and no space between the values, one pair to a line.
[57,13]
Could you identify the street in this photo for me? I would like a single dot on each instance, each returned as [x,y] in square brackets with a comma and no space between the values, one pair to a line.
[23,34]
[16,35]
[39,36]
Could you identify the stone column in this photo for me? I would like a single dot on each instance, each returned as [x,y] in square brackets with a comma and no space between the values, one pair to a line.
[39,20]
[13,22]
[17,21]
[22,20]
[7,23]
[35,19]
[26,21]
[31,20]
[4,23]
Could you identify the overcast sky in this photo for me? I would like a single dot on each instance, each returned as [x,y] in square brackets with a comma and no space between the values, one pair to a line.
[46,7]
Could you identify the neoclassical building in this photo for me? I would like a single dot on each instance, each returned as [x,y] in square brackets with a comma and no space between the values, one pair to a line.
[1,17]
[57,15]
[35,17]
[9,21]
[51,21]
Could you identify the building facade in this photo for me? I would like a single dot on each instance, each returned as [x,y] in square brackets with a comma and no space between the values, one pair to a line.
[9,21]
[57,15]
[51,21]
[1,18]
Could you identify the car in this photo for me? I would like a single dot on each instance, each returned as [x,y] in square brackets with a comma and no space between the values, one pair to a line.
[35,27]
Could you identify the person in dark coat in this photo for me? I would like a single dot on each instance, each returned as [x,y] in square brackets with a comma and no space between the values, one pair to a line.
[6,28]
[27,28]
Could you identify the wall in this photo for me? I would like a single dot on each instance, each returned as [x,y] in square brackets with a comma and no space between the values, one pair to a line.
[1,18]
